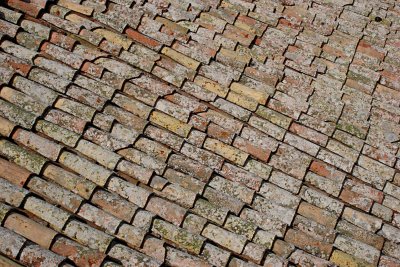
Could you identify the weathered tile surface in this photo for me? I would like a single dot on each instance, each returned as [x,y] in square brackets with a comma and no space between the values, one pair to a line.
[199,133]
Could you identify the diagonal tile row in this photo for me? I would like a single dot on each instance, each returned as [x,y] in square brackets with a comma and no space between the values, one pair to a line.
[199,133]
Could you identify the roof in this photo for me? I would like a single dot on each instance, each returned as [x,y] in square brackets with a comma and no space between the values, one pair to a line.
[199,133]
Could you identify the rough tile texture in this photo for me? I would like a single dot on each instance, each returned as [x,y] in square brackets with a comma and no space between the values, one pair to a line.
[200,133]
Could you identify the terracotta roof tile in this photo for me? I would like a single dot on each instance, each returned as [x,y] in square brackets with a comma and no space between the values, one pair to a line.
[8,28]
[166,209]
[48,79]
[126,118]
[140,57]
[177,257]
[143,39]
[184,180]
[301,257]
[196,137]
[193,223]
[361,235]
[56,217]
[105,139]
[141,94]
[215,255]
[55,67]
[84,167]
[14,243]
[12,194]
[164,137]
[229,240]
[30,229]
[103,156]
[130,257]
[28,40]
[35,90]
[357,249]
[27,159]
[13,173]
[22,100]
[79,254]
[133,193]
[10,15]
[96,87]
[225,201]
[170,123]
[57,132]
[36,28]
[261,169]
[167,76]
[191,242]
[132,105]
[210,211]
[153,148]
[154,85]
[88,236]
[37,143]
[121,70]
[124,133]
[86,97]
[61,23]
[274,210]
[6,75]
[55,193]
[17,50]
[143,173]
[36,255]
[104,122]
[75,108]
[115,205]
[100,218]
[109,47]
[205,157]
[132,235]
[20,66]
[250,148]
[172,109]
